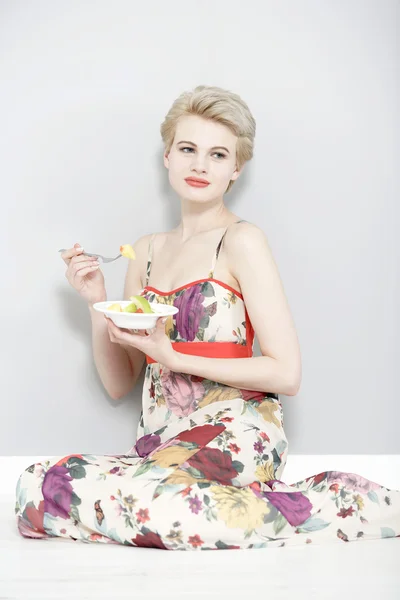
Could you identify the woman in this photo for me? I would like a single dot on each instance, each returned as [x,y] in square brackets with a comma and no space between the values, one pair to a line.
[205,470]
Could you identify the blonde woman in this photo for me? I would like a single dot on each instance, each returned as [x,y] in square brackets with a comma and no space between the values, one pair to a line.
[205,472]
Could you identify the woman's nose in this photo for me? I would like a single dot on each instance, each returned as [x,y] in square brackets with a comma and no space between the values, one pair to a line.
[199,163]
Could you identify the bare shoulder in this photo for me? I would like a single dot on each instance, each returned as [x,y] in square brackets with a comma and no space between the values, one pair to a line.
[246,241]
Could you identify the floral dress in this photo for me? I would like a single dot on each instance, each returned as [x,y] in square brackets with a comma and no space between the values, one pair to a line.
[205,472]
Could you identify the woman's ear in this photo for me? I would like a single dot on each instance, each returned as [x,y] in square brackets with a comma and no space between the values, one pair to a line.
[236,173]
[166,160]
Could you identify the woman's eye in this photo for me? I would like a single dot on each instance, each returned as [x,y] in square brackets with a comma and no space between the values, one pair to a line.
[219,154]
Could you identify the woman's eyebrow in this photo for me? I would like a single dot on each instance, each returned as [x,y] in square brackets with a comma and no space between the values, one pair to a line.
[213,148]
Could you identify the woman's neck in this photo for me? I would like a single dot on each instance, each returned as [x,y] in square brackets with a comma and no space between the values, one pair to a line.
[200,218]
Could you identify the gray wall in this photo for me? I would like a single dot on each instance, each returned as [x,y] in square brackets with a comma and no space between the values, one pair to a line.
[84,88]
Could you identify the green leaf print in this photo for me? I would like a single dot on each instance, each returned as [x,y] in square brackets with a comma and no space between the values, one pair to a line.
[75,500]
[146,466]
[372,496]
[194,472]
[221,545]
[238,466]
[200,335]
[207,289]
[204,323]
[77,472]
[312,524]
[168,487]
[75,461]
[74,513]
[387,532]
[203,484]
[279,523]
[206,499]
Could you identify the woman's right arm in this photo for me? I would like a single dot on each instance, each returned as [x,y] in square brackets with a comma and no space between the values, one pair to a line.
[118,366]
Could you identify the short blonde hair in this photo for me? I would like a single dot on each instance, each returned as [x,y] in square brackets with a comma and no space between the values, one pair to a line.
[218,105]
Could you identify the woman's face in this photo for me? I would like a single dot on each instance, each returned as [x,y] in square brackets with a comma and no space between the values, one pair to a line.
[205,150]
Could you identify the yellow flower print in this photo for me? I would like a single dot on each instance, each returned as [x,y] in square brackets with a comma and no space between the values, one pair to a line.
[239,507]
[180,477]
[267,409]
[172,456]
[175,536]
[217,394]
[359,501]
[265,472]
[231,298]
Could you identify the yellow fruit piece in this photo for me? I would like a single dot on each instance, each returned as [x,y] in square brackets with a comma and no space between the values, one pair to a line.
[116,307]
[127,251]
[142,303]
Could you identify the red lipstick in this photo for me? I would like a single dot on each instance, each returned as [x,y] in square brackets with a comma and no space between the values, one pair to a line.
[197,182]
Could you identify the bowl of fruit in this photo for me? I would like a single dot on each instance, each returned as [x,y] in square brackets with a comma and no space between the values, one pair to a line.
[135,313]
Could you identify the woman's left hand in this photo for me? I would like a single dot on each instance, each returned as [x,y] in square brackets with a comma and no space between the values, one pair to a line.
[155,344]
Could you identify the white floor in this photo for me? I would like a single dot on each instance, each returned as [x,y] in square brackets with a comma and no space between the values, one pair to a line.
[54,569]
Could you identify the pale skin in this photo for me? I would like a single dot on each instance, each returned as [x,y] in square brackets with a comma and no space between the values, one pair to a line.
[184,255]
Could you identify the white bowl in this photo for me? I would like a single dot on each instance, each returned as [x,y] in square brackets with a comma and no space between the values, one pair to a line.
[127,320]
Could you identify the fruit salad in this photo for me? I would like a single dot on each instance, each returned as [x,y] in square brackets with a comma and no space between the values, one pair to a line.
[138,304]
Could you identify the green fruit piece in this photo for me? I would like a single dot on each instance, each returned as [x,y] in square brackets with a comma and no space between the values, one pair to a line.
[131,308]
[142,303]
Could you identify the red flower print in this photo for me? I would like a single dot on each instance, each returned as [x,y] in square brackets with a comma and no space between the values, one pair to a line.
[214,464]
[252,395]
[334,488]
[227,419]
[195,541]
[320,477]
[234,448]
[35,516]
[149,540]
[201,435]
[65,459]
[143,515]
[346,512]
[264,437]
[186,492]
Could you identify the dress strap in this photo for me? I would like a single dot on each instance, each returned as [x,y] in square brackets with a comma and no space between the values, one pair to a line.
[149,258]
[211,274]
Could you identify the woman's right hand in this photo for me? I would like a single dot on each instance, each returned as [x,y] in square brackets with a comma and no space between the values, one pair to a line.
[84,275]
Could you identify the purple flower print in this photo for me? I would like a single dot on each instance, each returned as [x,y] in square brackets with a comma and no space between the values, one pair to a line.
[147,443]
[258,447]
[294,506]
[181,393]
[352,481]
[195,504]
[57,492]
[191,312]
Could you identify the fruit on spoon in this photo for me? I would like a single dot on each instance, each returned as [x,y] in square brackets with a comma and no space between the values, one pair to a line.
[127,251]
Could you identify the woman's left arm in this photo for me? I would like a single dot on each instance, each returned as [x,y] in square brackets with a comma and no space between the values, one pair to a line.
[278,370]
